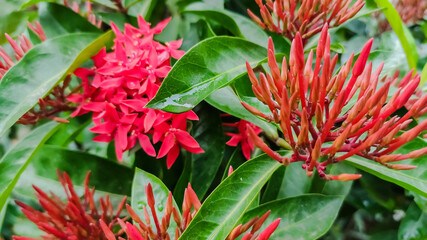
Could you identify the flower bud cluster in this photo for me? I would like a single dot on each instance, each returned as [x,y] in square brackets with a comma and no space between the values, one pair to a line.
[327,117]
[122,82]
[288,17]
[191,204]
[78,218]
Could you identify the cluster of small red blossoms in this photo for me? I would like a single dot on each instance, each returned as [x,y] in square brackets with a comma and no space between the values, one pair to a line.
[300,100]
[191,204]
[289,17]
[122,82]
[78,219]
[242,136]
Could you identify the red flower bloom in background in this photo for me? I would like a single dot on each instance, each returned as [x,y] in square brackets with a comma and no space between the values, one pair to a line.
[122,82]
[242,136]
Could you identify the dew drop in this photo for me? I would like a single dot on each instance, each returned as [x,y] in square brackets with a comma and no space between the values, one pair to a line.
[160,207]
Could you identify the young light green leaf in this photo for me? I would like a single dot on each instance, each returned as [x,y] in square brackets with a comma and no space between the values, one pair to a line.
[41,69]
[214,63]
[405,36]
[302,217]
[228,202]
[17,159]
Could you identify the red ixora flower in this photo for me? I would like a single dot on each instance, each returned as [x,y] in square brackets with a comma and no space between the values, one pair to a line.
[287,17]
[308,106]
[77,219]
[122,82]
[242,136]
[191,204]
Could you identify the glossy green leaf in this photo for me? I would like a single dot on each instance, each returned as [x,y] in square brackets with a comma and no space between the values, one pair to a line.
[58,20]
[209,134]
[106,3]
[227,203]
[144,8]
[119,19]
[41,69]
[160,192]
[208,66]
[414,224]
[14,23]
[295,182]
[105,175]
[302,217]
[413,180]
[227,101]
[69,132]
[237,24]
[17,159]
[405,36]
[424,75]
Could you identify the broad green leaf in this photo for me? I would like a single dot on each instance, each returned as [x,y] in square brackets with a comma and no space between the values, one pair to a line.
[68,132]
[414,224]
[404,178]
[105,175]
[59,20]
[197,32]
[160,192]
[424,75]
[227,203]
[237,24]
[295,181]
[119,19]
[414,180]
[303,217]
[143,8]
[17,159]
[41,69]
[208,66]
[337,187]
[227,101]
[209,134]
[405,36]
[106,3]
[274,185]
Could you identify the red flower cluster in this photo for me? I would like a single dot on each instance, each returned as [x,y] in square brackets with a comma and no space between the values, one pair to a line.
[77,219]
[143,231]
[242,136]
[121,84]
[308,105]
[287,17]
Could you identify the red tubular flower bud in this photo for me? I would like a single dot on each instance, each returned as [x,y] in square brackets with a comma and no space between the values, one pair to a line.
[256,19]
[255,111]
[345,177]
[193,197]
[230,170]
[401,166]
[269,230]
[260,144]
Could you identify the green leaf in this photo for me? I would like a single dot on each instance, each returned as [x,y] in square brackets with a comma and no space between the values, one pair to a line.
[144,8]
[424,75]
[41,69]
[106,3]
[237,24]
[414,224]
[227,101]
[68,132]
[295,182]
[214,63]
[59,20]
[236,159]
[160,192]
[17,159]
[408,179]
[118,18]
[405,36]
[302,217]
[105,175]
[209,134]
[227,203]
